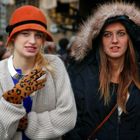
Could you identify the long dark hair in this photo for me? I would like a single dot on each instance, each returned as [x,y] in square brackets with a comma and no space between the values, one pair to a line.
[128,75]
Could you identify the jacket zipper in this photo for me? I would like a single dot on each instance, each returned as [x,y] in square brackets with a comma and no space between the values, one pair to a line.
[118,119]
[118,125]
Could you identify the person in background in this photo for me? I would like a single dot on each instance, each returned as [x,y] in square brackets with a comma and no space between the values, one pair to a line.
[50,47]
[105,74]
[62,52]
[4,53]
[37,100]
[1,43]
[70,44]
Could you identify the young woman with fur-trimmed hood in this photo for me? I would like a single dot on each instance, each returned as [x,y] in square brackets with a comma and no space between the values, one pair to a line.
[105,74]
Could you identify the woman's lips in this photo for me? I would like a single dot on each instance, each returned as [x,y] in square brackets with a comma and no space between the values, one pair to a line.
[31,48]
[115,48]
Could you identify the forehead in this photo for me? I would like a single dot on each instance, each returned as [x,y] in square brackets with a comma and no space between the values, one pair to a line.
[114,26]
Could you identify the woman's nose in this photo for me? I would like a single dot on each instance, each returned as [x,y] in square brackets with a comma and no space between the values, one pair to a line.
[32,39]
[114,38]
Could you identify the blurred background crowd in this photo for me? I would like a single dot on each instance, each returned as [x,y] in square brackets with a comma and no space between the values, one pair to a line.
[64,18]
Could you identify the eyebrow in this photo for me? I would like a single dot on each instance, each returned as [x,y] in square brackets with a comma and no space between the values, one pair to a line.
[116,30]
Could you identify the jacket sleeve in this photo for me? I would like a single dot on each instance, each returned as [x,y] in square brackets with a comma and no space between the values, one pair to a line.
[56,122]
[10,115]
[81,129]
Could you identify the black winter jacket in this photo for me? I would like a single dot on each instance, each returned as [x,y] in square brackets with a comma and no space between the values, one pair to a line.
[91,109]
[84,75]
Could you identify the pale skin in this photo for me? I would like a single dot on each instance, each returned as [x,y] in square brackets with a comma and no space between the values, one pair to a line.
[115,43]
[27,44]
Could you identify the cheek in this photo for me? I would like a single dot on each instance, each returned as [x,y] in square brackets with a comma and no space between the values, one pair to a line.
[19,42]
[105,46]
[105,42]
[124,45]
[40,43]
[124,49]
[106,50]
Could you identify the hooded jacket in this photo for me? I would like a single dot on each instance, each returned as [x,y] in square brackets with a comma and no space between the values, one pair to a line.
[84,75]
[90,29]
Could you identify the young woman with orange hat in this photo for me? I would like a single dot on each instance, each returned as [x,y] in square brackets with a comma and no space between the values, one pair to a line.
[105,74]
[36,97]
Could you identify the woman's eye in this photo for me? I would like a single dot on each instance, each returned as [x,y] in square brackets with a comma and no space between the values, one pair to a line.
[121,33]
[25,33]
[39,35]
[107,34]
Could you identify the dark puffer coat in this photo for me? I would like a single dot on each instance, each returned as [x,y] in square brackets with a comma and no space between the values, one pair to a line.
[84,75]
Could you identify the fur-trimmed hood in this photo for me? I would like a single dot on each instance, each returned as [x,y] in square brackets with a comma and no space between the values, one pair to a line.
[91,28]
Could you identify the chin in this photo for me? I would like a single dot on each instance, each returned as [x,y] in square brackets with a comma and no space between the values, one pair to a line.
[31,54]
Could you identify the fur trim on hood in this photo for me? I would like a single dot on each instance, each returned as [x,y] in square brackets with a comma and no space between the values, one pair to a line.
[90,29]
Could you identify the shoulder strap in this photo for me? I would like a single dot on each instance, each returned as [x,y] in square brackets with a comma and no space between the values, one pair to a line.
[102,123]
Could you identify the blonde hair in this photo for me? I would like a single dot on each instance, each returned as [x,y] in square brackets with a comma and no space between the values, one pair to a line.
[43,62]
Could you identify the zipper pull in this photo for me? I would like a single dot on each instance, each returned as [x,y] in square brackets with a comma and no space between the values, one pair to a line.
[119,119]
